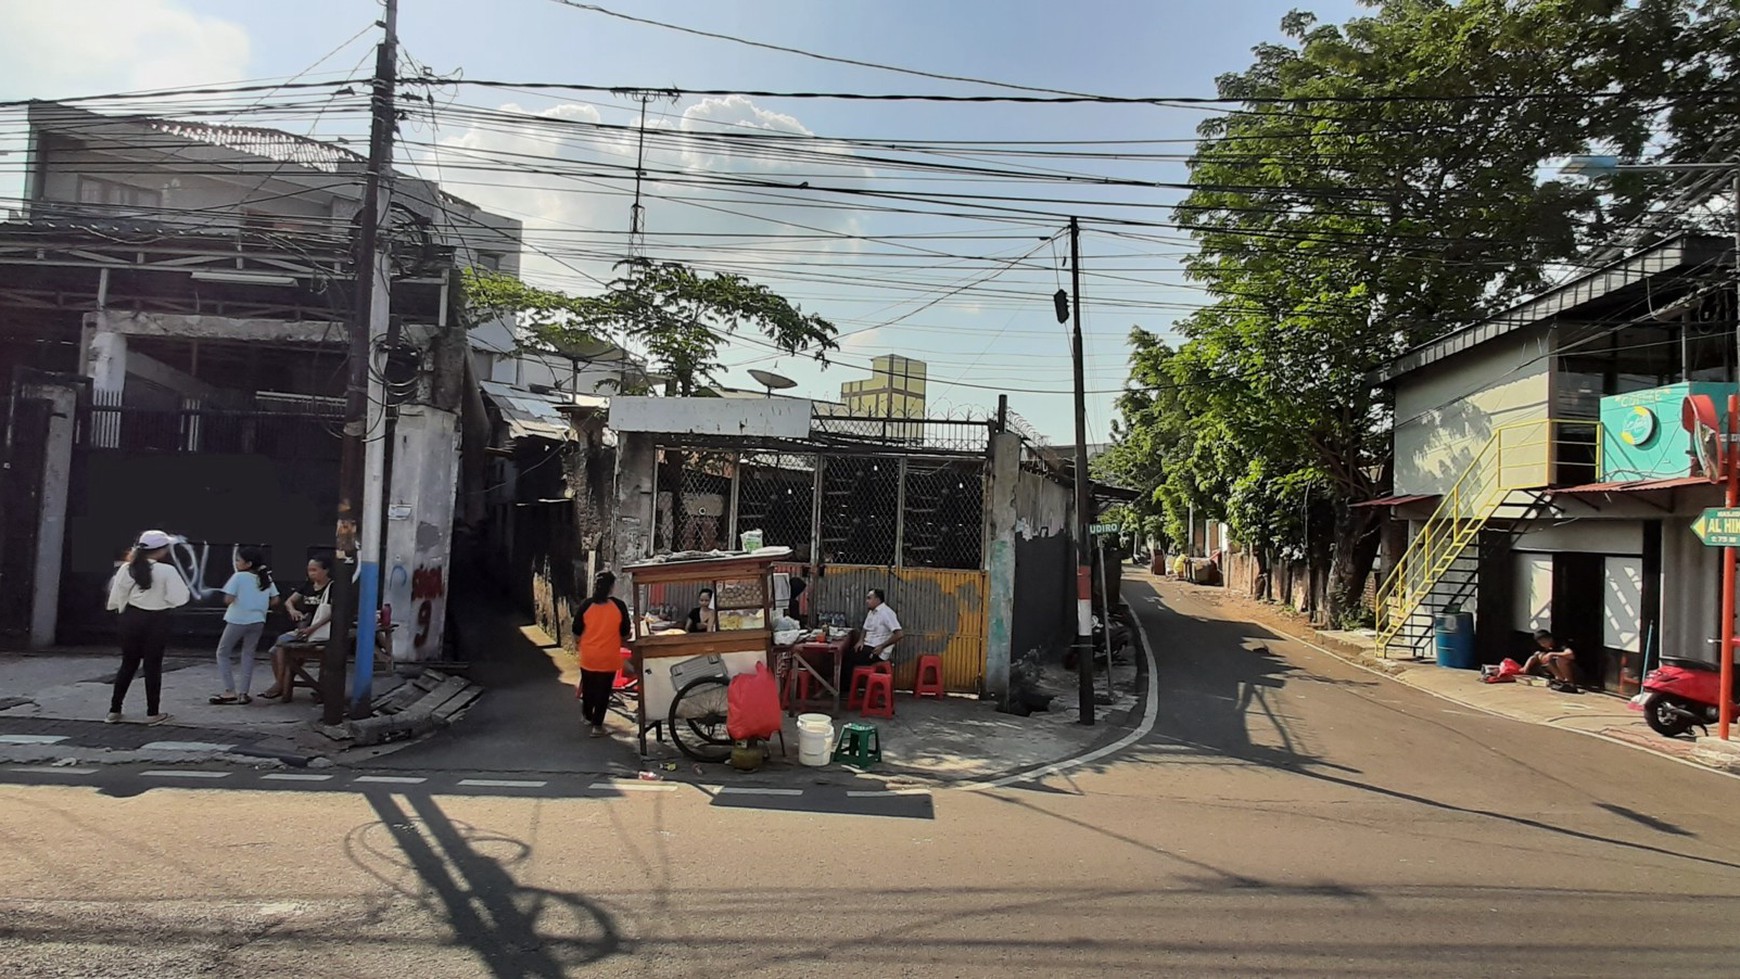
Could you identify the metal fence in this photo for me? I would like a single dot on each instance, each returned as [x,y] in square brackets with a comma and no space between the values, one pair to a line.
[310,432]
[875,510]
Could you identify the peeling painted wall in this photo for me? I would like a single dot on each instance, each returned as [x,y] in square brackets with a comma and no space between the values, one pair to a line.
[419,529]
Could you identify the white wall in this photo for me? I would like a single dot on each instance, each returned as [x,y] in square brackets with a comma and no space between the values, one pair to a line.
[419,528]
[1691,592]
[1533,608]
[1445,414]
[1622,604]
[1586,537]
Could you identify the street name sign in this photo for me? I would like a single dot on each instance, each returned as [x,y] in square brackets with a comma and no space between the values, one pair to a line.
[1112,528]
[1718,527]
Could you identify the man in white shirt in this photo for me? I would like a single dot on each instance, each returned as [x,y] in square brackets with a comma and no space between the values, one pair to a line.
[881,632]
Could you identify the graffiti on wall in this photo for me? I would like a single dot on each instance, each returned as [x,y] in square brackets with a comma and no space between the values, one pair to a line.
[428,588]
[205,580]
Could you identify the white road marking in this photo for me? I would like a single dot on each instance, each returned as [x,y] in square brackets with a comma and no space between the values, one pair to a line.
[503,783]
[32,738]
[188,773]
[877,793]
[634,786]
[51,770]
[295,777]
[750,790]
[185,746]
[391,779]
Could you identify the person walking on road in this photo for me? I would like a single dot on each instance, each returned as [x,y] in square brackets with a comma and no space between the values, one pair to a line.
[600,630]
[248,596]
[143,591]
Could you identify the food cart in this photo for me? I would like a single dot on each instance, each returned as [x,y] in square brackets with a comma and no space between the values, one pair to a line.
[684,676]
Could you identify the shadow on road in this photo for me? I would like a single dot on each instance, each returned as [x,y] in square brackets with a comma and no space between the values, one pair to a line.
[518,932]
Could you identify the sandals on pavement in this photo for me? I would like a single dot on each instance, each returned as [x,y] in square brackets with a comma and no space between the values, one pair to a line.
[228,698]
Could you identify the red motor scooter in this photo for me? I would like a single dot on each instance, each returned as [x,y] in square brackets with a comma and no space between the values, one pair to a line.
[1682,695]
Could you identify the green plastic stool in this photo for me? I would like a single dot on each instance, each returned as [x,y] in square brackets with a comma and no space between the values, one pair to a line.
[859,745]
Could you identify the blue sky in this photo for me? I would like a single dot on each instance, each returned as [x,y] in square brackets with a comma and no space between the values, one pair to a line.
[1117,47]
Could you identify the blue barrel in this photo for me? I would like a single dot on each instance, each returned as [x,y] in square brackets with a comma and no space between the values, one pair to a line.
[1454,640]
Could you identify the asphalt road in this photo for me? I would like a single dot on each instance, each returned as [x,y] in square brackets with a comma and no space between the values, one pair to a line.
[1289,815]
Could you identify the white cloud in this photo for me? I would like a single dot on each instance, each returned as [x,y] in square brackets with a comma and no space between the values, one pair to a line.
[91,47]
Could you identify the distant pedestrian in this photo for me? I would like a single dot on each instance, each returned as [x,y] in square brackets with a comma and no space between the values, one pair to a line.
[143,591]
[249,595]
[600,630]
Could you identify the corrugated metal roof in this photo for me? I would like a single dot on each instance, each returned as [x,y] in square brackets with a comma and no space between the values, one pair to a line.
[1670,257]
[1632,486]
[535,415]
[1396,500]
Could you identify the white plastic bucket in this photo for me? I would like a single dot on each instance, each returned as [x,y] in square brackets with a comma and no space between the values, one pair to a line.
[815,739]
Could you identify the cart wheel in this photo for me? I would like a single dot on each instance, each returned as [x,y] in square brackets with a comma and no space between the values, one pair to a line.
[697,719]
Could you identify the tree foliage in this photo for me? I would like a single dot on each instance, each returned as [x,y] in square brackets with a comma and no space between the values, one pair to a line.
[1379,185]
[677,317]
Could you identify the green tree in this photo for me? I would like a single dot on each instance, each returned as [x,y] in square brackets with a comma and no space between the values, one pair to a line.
[1380,185]
[678,317]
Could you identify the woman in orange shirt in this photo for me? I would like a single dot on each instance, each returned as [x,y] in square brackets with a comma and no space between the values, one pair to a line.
[600,631]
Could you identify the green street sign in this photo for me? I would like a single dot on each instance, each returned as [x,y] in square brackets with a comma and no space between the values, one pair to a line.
[1112,528]
[1719,527]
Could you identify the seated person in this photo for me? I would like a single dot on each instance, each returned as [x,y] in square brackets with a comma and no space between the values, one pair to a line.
[876,644]
[703,617]
[310,609]
[1556,659]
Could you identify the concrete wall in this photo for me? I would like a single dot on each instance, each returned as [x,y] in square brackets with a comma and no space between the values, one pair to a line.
[1043,507]
[419,528]
[1446,414]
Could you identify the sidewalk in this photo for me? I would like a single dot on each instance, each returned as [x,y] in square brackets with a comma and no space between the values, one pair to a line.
[529,722]
[52,708]
[1590,713]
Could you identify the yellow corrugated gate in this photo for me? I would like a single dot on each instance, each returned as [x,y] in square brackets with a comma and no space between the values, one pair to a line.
[942,613]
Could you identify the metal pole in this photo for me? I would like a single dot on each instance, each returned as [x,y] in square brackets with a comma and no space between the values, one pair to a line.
[1084,614]
[361,479]
[1724,694]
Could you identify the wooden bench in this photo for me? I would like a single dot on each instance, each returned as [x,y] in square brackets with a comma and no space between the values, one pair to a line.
[301,656]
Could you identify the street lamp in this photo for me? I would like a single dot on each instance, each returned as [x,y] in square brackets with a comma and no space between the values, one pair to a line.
[1596,166]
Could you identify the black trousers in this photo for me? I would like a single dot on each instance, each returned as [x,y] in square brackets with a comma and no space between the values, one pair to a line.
[595,686]
[144,634]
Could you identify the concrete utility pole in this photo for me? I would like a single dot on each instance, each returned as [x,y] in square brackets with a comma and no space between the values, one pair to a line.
[1084,601]
[362,466]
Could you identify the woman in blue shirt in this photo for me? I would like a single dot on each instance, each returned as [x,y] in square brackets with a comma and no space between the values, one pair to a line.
[249,594]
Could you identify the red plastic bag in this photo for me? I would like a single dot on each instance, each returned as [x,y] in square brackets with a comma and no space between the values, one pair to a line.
[1507,672]
[752,705]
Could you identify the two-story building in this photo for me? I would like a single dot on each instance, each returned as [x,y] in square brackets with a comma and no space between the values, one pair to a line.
[175,307]
[1544,479]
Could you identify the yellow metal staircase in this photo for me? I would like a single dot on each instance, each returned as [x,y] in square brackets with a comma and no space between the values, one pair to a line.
[1516,460]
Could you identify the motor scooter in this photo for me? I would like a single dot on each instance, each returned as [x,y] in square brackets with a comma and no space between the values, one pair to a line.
[1681,694]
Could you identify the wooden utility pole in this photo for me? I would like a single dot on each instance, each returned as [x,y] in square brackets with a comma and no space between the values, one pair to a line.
[361,475]
[1084,603]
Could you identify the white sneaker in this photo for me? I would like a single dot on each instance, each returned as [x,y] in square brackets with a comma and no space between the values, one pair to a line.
[113,718]
[156,718]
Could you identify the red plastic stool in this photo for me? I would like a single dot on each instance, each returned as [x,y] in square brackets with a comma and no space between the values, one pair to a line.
[878,695]
[929,682]
[860,680]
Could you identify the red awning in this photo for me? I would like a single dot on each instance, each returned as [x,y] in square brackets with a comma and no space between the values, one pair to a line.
[1396,500]
[1631,486]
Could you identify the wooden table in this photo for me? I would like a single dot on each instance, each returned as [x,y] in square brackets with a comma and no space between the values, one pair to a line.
[797,657]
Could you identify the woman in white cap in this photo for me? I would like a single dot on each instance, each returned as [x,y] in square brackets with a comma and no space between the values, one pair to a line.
[143,591]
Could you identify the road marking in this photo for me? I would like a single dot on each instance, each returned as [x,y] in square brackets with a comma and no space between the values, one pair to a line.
[1150,714]
[53,770]
[749,790]
[32,738]
[295,777]
[503,783]
[185,746]
[188,773]
[878,793]
[634,786]
[391,779]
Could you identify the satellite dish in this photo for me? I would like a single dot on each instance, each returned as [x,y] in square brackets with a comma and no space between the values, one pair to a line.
[586,350]
[771,381]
